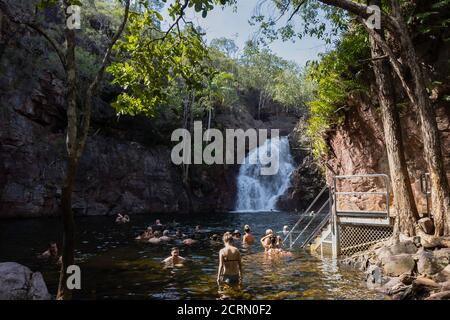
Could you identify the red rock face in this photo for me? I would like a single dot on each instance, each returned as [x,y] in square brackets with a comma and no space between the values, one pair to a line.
[358,147]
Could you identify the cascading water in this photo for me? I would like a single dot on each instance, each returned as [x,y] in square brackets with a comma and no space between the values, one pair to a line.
[257,192]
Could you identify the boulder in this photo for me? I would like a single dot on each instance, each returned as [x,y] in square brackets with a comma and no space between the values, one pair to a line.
[427,225]
[442,256]
[399,264]
[18,282]
[403,247]
[374,275]
[427,264]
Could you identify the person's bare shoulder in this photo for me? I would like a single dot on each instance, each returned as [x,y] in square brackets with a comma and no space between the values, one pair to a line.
[167,260]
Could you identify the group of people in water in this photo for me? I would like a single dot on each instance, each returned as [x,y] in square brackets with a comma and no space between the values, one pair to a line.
[230,269]
[230,263]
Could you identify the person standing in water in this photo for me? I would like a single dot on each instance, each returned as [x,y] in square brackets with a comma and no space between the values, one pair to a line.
[248,238]
[266,240]
[230,264]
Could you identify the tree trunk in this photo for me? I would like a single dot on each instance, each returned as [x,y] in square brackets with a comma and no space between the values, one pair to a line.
[66,197]
[440,190]
[404,203]
[68,247]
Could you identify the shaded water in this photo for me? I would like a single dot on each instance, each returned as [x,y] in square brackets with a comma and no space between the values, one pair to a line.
[115,266]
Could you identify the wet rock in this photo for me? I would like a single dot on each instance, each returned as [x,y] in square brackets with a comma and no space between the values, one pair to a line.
[399,264]
[18,282]
[427,225]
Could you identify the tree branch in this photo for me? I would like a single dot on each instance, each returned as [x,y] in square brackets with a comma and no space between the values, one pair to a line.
[296,10]
[361,11]
[396,65]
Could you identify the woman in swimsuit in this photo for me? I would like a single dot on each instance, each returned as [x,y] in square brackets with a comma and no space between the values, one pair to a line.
[230,264]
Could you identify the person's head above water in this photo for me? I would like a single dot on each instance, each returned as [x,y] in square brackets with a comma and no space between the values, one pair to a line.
[175,252]
[236,233]
[158,222]
[285,228]
[215,237]
[197,228]
[53,248]
[227,238]
[157,234]
[247,228]
[166,233]
[269,231]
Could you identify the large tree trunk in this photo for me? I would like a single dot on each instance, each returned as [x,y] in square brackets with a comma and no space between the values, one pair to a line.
[404,203]
[440,190]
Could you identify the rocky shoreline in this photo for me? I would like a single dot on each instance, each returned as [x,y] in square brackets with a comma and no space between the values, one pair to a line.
[414,268]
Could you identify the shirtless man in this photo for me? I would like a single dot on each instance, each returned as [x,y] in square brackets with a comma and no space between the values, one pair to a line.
[51,252]
[146,235]
[156,238]
[175,258]
[230,264]
[165,237]
[248,238]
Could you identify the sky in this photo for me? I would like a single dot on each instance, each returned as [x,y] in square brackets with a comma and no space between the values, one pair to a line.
[225,22]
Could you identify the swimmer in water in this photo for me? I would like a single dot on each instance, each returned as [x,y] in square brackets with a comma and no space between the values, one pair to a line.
[165,237]
[248,236]
[285,231]
[215,239]
[274,249]
[230,264]
[265,241]
[179,234]
[175,259]
[51,254]
[146,235]
[189,241]
[237,235]
[156,238]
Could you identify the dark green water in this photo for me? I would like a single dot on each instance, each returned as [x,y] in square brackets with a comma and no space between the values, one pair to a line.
[115,266]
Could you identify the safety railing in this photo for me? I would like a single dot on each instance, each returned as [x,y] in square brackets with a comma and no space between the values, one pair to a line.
[362,213]
[295,235]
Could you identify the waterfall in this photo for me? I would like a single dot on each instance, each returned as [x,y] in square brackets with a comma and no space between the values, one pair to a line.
[258,192]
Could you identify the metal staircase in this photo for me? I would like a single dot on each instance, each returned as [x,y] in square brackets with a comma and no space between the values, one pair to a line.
[311,222]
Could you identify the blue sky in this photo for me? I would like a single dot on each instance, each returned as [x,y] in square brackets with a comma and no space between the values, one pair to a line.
[234,25]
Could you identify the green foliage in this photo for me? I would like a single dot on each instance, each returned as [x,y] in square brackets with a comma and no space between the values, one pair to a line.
[429,18]
[335,77]
[292,90]
[151,61]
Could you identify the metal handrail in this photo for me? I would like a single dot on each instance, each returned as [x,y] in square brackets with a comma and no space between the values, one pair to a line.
[317,229]
[309,223]
[289,235]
